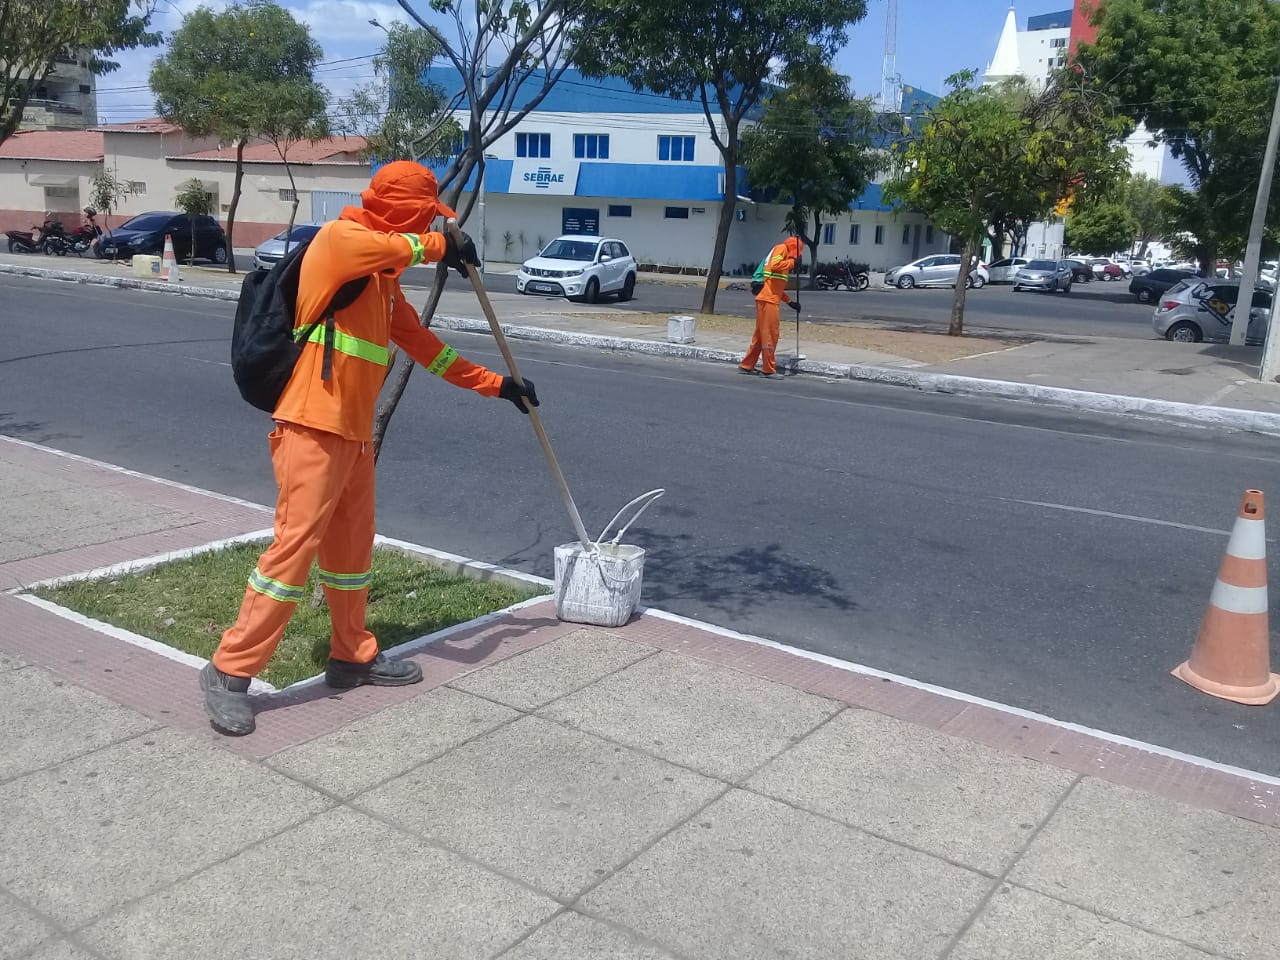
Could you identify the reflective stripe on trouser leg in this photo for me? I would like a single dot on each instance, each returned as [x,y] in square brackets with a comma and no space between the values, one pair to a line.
[312,469]
[347,546]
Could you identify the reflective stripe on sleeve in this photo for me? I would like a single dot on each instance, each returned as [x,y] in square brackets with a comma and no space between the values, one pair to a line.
[443,361]
[419,251]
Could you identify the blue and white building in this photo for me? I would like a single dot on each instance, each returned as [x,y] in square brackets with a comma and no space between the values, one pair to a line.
[599,157]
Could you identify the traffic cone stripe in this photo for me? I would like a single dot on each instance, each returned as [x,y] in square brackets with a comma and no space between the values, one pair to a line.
[1244,600]
[1231,657]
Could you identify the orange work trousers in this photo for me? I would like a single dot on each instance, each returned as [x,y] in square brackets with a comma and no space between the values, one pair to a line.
[764,342]
[325,510]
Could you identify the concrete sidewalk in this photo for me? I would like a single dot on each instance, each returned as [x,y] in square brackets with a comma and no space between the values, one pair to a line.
[667,789]
[1201,384]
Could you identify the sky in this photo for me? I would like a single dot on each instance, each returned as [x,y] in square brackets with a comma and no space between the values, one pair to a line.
[936,38]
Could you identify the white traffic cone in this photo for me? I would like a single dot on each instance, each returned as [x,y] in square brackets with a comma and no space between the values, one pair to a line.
[169,266]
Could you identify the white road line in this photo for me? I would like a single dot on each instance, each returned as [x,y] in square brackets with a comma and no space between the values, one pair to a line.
[1117,516]
[1254,775]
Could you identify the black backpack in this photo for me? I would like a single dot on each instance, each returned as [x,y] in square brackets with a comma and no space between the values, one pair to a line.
[264,346]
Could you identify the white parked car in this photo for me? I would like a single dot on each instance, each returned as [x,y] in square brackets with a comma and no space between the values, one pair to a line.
[936,270]
[580,268]
[1003,271]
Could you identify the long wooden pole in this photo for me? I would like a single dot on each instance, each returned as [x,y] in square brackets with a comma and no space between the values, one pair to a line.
[500,337]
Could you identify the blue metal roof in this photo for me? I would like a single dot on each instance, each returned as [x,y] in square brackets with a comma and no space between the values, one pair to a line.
[574,93]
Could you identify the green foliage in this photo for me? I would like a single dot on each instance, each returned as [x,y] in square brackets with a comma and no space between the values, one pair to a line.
[244,71]
[106,190]
[1142,196]
[239,73]
[33,33]
[985,153]
[193,198]
[720,54]
[400,116]
[813,146]
[1101,228]
[1200,75]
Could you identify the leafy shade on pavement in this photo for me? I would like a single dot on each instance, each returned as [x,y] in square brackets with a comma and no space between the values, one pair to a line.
[926,346]
[188,603]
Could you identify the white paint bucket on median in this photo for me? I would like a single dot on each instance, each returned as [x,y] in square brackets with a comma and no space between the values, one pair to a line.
[601,586]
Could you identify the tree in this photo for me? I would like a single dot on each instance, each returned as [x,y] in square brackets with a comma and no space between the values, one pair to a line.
[106,190]
[242,72]
[1200,74]
[508,57]
[193,199]
[979,155]
[1142,196]
[813,146]
[1101,228]
[35,34]
[719,54]
[400,115]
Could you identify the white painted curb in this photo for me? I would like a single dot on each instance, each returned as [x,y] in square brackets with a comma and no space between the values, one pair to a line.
[1252,421]
[1249,421]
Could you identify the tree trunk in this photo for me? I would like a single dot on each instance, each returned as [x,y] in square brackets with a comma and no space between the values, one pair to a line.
[1142,250]
[813,256]
[1209,259]
[956,328]
[724,224]
[293,210]
[231,210]
[997,243]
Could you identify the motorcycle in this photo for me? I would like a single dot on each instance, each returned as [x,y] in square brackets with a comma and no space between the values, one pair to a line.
[23,241]
[842,276]
[54,238]
[81,238]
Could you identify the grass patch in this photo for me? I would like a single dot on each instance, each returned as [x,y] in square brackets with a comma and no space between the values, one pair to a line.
[188,603]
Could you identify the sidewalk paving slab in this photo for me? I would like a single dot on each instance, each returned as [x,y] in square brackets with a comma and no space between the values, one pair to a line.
[338,886]
[662,790]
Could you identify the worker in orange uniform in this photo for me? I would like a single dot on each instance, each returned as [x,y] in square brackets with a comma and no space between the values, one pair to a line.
[773,273]
[322,448]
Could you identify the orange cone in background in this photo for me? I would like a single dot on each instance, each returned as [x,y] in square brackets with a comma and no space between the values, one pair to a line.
[169,265]
[1231,658]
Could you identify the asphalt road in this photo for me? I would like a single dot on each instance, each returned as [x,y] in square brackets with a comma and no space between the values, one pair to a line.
[1097,309]
[946,538]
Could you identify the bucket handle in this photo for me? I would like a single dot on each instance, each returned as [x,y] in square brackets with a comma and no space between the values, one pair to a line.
[644,501]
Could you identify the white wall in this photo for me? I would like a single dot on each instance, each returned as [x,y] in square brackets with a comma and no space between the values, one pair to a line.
[1036,54]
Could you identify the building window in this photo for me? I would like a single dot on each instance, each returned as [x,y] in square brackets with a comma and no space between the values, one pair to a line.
[537,145]
[619,209]
[676,213]
[591,146]
[675,148]
[1058,42]
[138,188]
[828,233]
[906,233]
[855,233]
[880,233]
[928,233]
[288,196]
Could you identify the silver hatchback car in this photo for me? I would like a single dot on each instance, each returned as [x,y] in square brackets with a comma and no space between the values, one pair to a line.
[1047,275]
[1199,309]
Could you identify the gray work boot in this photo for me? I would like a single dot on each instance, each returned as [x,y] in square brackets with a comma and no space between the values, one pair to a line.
[226,700]
[379,672]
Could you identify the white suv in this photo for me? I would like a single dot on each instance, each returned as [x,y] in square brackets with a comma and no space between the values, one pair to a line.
[580,267]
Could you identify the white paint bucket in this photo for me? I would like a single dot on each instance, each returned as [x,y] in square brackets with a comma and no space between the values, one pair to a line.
[680,329]
[601,586]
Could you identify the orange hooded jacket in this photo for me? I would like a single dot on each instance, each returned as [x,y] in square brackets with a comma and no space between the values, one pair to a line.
[777,271]
[379,240]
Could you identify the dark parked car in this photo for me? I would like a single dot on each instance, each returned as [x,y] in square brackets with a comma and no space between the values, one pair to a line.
[1081,271]
[1148,287]
[145,234]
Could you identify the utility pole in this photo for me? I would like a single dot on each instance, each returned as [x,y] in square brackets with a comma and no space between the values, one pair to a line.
[1253,250]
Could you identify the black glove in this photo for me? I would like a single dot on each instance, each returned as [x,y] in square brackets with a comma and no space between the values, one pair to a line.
[514,392]
[458,256]
[794,306]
